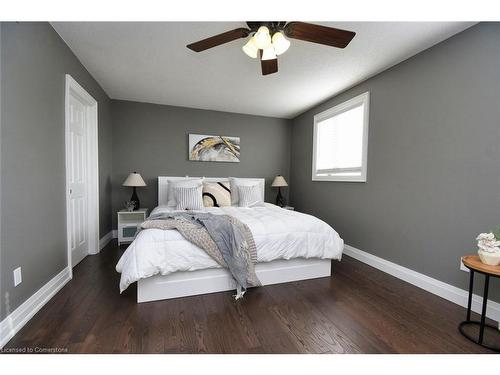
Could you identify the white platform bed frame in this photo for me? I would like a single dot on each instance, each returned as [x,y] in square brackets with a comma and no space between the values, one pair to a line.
[190,283]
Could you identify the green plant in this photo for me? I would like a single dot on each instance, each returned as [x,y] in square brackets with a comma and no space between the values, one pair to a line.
[496,233]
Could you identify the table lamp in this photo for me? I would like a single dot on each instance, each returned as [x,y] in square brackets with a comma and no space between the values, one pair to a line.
[134,180]
[279,182]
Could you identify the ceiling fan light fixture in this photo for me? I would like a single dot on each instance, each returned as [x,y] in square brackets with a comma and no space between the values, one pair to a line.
[268,53]
[262,38]
[251,49]
[280,43]
[268,39]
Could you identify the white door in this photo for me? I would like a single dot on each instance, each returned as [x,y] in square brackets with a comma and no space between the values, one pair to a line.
[78,179]
[82,176]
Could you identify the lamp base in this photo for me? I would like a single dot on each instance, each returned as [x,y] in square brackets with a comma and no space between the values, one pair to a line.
[280,200]
[135,200]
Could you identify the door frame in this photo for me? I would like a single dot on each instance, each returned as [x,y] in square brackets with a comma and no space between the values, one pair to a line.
[72,88]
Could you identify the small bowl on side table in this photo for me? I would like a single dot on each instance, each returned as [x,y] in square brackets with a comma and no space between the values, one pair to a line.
[491,259]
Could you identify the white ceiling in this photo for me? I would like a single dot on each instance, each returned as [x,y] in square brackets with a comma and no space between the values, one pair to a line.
[149,62]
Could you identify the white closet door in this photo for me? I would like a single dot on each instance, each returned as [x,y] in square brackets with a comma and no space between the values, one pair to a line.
[78,229]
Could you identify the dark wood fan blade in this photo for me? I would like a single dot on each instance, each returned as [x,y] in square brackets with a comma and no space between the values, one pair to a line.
[219,39]
[268,66]
[319,34]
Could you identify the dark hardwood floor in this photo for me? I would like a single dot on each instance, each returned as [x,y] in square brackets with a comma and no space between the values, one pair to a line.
[358,310]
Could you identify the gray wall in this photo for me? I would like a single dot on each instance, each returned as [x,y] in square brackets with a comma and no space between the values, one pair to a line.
[433,159]
[153,140]
[34,61]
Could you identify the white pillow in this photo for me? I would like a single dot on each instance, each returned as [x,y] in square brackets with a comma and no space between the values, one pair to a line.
[186,182]
[188,198]
[249,196]
[235,182]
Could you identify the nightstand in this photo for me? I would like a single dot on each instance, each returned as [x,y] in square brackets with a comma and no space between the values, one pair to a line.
[128,223]
[289,208]
[474,264]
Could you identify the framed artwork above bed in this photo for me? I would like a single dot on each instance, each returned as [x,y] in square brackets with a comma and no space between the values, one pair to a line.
[214,148]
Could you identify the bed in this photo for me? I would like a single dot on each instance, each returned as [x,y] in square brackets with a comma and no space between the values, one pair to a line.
[291,246]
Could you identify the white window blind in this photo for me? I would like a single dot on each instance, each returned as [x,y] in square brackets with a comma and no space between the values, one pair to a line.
[340,141]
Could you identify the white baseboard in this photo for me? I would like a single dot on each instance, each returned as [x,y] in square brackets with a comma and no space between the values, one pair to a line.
[439,288]
[20,316]
[115,233]
[105,240]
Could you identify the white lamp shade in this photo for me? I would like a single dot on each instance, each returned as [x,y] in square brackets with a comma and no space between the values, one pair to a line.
[280,43]
[262,38]
[279,181]
[250,48]
[134,179]
[269,54]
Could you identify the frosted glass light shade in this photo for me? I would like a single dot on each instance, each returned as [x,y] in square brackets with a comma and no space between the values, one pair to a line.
[262,38]
[280,43]
[269,54]
[250,48]
[134,179]
[279,181]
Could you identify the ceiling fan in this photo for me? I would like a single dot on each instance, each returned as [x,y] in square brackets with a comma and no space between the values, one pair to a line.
[268,39]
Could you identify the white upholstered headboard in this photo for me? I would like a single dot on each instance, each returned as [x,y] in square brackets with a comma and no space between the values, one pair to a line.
[163,185]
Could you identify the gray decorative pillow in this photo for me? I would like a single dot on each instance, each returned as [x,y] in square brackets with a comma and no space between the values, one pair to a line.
[188,198]
[249,196]
[216,194]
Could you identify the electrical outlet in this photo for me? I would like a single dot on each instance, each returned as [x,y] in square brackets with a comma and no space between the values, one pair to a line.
[18,276]
[462,267]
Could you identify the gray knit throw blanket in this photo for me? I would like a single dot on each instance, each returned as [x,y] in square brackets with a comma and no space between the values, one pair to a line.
[224,238]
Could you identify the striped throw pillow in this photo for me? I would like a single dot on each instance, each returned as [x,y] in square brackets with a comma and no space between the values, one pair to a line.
[188,198]
[216,194]
[185,182]
[250,196]
[234,182]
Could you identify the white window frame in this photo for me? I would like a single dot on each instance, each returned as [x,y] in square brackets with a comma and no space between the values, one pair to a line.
[363,99]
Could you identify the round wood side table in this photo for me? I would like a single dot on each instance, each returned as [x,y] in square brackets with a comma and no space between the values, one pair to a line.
[474,264]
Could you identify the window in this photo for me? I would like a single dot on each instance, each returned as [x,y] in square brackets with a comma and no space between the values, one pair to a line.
[341,141]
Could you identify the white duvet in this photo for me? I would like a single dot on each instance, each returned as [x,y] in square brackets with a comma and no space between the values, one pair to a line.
[278,234]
